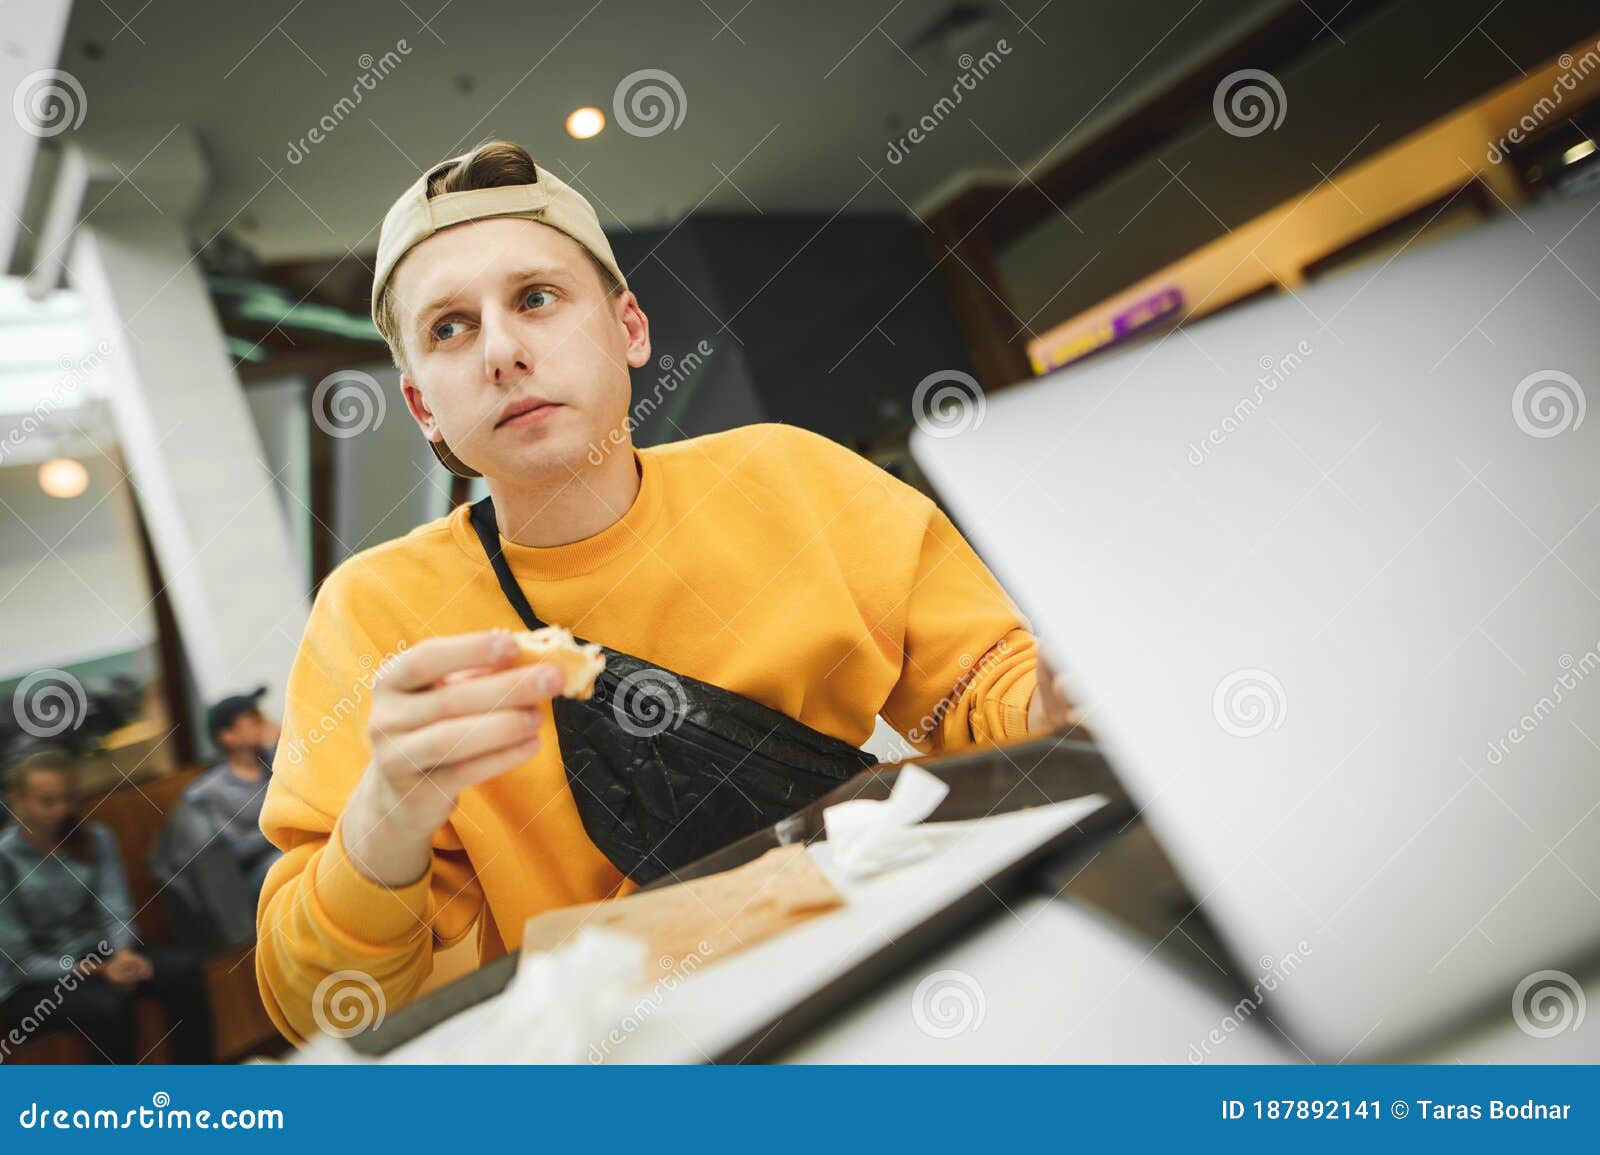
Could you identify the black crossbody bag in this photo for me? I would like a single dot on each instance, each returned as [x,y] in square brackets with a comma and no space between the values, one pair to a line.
[666,768]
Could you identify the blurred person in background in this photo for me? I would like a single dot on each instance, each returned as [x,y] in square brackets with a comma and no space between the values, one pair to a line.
[70,957]
[227,798]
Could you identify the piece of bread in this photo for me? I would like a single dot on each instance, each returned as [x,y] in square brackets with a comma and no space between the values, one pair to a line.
[705,919]
[581,662]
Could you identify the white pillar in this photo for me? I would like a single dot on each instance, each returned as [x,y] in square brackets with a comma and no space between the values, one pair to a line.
[181,417]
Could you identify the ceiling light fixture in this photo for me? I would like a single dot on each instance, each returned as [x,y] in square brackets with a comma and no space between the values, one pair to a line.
[63,477]
[582,123]
[1577,152]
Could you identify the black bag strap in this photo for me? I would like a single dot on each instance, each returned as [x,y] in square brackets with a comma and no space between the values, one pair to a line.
[488,530]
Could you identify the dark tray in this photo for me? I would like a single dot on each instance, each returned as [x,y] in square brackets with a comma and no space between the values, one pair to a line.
[990,780]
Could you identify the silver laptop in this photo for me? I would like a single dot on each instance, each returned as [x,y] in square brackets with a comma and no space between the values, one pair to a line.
[1325,569]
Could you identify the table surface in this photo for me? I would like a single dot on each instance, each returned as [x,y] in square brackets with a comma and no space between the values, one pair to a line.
[1039,978]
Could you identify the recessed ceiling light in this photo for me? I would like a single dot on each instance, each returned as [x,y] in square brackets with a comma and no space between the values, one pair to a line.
[585,122]
[63,477]
[1577,152]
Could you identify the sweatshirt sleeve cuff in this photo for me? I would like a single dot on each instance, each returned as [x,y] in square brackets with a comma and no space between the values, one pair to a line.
[364,908]
[1014,702]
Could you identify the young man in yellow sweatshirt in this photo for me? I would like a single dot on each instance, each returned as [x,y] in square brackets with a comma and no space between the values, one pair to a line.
[418,793]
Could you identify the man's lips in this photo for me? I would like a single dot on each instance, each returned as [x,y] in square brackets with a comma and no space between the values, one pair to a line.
[526,412]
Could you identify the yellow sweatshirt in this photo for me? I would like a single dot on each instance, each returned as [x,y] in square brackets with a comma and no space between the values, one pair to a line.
[766,560]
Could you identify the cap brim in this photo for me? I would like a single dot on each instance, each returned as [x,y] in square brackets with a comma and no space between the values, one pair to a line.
[451,462]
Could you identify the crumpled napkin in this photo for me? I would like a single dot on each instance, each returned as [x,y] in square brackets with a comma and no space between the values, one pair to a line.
[869,836]
[557,1008]
[561,1002]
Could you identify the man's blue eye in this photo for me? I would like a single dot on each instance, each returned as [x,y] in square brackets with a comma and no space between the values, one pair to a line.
[528,298]
[440,333]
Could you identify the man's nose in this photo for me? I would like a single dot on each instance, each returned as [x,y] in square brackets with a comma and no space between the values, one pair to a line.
[506,358]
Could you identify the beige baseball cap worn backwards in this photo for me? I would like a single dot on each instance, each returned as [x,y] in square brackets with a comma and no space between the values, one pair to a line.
[414,218]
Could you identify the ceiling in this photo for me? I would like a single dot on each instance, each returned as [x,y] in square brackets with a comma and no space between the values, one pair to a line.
[785,107]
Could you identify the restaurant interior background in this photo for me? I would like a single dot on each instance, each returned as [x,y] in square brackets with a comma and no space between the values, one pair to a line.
[822,207]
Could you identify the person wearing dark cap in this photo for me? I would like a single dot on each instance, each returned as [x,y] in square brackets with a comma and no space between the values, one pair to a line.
[228,797]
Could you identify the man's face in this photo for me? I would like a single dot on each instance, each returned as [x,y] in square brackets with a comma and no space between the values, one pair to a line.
[251,731]
[44,801]
[518,356]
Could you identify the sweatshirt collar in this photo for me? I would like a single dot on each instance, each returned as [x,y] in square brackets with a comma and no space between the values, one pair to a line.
[552,563]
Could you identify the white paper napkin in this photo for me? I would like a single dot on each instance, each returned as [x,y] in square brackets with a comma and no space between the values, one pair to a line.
[868,836]
[561,1006]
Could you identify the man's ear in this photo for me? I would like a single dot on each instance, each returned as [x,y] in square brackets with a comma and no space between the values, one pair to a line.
[636,327]
[418,406]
